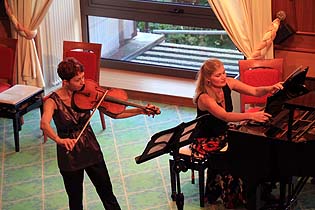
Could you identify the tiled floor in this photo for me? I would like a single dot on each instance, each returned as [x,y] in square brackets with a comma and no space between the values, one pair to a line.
[30,179]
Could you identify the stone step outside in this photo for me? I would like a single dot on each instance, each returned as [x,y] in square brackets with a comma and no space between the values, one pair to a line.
[230,70]
[201,58]
[184,63]
[183,46]
[189,57]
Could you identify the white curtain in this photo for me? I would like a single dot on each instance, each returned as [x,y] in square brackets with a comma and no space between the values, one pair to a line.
[249,25]
[26,16]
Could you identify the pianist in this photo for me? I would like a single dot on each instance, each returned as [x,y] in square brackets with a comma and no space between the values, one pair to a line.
[213,97]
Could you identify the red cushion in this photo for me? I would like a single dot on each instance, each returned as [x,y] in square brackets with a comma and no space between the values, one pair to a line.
[88,60]
[255,109]
[4,86]
[6,63]
[260,77]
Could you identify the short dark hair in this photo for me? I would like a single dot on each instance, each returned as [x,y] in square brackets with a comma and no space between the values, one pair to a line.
[69,68]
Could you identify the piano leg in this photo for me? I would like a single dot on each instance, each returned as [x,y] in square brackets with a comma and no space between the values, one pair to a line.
[296,189]
[254,192]
[287,191]
[283,190]
[251,186]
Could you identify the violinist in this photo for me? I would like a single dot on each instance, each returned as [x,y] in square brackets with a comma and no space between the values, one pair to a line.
[83,154]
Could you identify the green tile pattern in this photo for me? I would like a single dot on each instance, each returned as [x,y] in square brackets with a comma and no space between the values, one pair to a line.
[30,179]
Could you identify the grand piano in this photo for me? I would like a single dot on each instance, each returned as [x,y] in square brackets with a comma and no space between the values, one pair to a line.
[279,149]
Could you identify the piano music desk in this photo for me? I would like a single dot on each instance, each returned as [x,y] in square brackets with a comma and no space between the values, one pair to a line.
[17,101]
[305,102]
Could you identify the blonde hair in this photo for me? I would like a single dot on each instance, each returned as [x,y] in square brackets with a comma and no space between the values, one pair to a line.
[206,70]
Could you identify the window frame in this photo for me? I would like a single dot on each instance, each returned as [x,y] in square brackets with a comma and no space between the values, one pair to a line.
[149,11]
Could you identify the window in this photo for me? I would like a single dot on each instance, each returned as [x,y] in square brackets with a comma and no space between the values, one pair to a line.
[169,37]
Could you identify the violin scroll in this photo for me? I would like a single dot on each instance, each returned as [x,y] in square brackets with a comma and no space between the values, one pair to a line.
[151,110]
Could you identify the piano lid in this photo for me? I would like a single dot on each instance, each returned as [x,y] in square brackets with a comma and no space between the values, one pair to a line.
[305,102]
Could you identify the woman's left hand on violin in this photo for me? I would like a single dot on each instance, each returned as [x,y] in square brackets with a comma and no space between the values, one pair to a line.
[152,110]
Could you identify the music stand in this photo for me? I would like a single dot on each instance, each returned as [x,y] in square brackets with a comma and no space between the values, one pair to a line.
[169,141]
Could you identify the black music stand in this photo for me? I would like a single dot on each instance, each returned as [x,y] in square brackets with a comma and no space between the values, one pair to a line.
[169,141]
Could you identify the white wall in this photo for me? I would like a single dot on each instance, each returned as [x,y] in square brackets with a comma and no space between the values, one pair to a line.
[63,22]
[106,32]
[110,32]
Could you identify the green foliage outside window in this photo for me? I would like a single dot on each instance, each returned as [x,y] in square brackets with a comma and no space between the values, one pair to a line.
[219,41]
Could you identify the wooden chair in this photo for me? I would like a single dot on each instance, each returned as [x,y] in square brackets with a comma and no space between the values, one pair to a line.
[89,54]
[258,73]
[7,62]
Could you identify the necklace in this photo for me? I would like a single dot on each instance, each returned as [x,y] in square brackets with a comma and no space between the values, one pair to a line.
[219,96]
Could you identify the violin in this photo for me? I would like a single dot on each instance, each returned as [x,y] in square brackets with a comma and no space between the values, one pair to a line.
[114,102]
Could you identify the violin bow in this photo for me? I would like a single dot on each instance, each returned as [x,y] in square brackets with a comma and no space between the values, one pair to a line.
[88,121]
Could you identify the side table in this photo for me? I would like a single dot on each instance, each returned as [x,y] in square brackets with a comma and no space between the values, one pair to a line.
[17,101]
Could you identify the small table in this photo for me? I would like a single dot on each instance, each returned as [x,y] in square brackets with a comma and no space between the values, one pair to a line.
[17,101]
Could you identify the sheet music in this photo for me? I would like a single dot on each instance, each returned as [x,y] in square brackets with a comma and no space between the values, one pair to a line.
[17,93]
[167,140]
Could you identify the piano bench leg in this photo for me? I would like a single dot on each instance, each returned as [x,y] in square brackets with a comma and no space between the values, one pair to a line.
[173,179]
[16,129]
[201,168]
[202,186]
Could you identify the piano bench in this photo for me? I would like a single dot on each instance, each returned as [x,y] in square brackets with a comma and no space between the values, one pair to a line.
[17,101]
[186,162]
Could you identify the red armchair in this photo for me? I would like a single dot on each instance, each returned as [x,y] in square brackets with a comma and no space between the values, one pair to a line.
[7,62]
[258,73]
[89,54]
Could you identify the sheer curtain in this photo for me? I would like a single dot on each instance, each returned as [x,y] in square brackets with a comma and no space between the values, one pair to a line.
[26,17]
[249,25]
